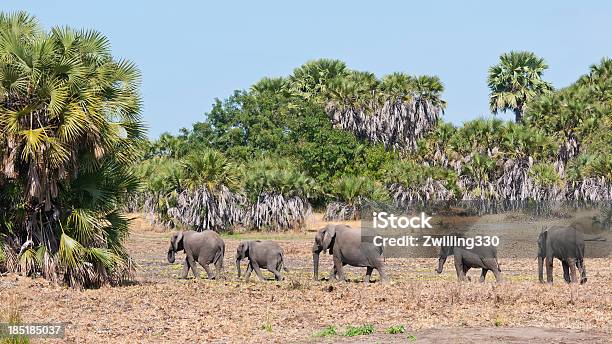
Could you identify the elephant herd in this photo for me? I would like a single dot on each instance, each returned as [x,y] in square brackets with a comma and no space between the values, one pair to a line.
[345,245]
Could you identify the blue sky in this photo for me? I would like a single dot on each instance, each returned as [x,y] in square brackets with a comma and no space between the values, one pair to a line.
[191,52]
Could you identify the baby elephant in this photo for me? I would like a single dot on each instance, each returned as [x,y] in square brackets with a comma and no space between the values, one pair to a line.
[484,257]
[261,254]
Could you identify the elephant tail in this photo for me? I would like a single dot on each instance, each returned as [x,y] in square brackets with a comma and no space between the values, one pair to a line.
[282,264]
[381,253]
[498,265]
[219,256]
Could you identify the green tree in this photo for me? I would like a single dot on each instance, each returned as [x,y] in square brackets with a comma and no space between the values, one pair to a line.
[278,193]
[515,80]
[312,79]
[212,196]
[351,193]
[578,114]
[69,127]
[396,111]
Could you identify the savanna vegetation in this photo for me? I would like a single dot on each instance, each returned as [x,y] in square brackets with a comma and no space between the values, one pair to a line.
[337,139]
[325,137]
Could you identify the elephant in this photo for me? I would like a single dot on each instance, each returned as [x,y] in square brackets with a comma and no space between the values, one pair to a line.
[346,246]
[261,254]
[565,244]
[484,257]
[204,247]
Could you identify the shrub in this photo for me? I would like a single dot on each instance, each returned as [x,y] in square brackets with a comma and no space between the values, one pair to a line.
[352,331]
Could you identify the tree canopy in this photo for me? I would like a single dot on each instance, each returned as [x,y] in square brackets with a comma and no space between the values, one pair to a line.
[516,80]
[69,127]
[330,123]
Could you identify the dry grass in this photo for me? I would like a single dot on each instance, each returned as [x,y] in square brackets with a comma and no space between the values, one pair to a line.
[161,308]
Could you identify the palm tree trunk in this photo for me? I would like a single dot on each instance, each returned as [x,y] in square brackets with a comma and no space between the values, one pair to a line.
[518,112]
[518,115]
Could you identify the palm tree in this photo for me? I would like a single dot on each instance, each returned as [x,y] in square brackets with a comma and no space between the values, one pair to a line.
[575,113]
[477,173]
[278,195]
[69,127]
[163,181]
[411,183]
[435,146]
[395,111]
[211,198]
[598,80]
[273,85]
[312,79]
[516,80]
[351,194]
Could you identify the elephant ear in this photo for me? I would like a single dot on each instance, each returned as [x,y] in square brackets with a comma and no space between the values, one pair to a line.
[542,242]
[446,251]
[328,238]
[177,241]
[543,235]
[244,248]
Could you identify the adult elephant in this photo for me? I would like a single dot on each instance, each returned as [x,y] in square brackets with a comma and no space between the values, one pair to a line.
[565,244]
[346,246]
[204,247]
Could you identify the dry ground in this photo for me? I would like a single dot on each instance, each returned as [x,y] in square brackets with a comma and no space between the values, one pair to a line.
[433,308]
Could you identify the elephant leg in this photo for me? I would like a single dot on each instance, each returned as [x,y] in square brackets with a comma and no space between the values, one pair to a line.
[193,266]
[549,269]
[333,273]
[185,269]
[383,275]
[572,266]
[247,274]
[219,268]
[497,274]
[566,271]
[368,275]
[460,270]
[483,275]
[277,274]
[339,269]
[582,269]
[209,273]
[257,270]
[465,270]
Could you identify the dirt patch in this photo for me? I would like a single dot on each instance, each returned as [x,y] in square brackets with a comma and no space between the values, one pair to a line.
[161,308]
[509,335]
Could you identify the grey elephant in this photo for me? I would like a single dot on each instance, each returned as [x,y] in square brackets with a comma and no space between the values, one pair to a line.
[204,247]
[565,244]
[346,246]
[480,257]
[264,254]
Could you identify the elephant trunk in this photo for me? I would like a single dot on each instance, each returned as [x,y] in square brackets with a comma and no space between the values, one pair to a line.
[541,269]
[315,264]
[171,255]
[441,262]
[238,266]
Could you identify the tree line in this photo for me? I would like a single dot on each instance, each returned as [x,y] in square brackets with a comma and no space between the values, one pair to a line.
[343,138]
